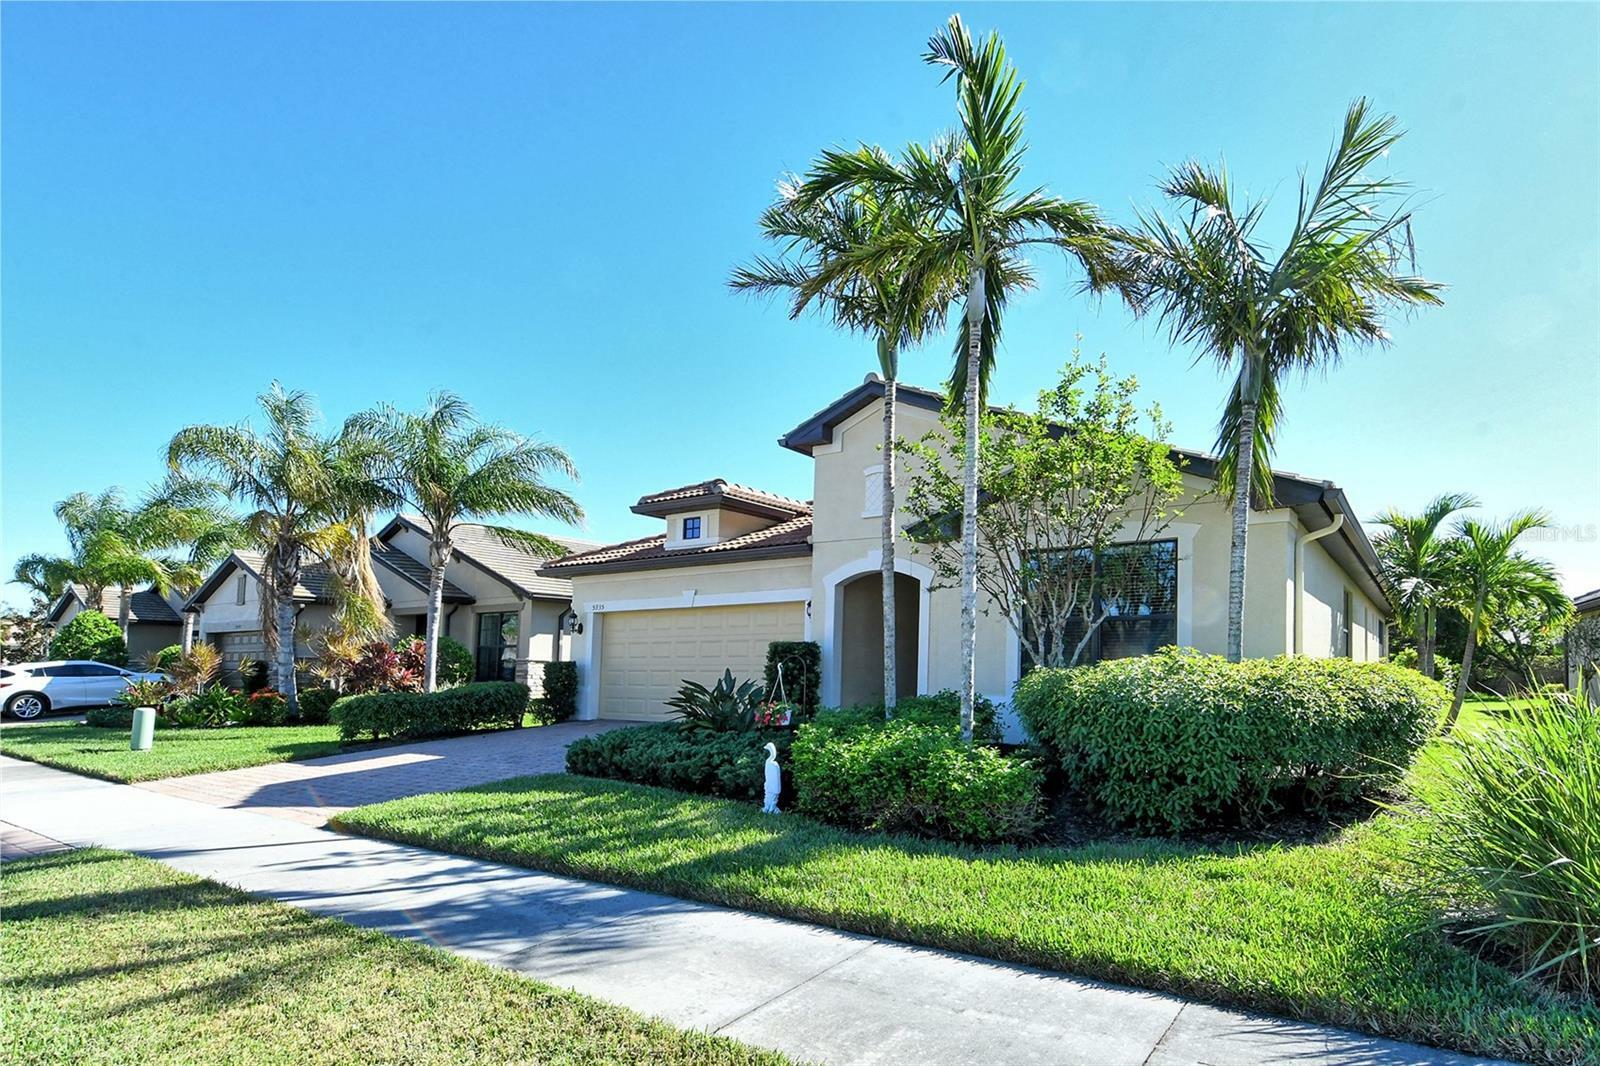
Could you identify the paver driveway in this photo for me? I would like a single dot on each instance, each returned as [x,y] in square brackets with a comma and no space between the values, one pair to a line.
[312,791]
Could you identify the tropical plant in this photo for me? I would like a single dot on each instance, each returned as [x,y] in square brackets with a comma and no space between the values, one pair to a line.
[1212,282]
[161,659]
[90,635]
[814,238]
[1489,578]
[453,469]
[146,692]
[207,709]
[196,668]
[304,491]
[730,706]
[380,668]
[977,224]
[1514,829]
[455,660]
[1414,560]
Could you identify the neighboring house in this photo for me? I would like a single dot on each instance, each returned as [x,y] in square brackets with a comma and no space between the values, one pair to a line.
[153,620]
[735,568]
[1583,646]
[494,601]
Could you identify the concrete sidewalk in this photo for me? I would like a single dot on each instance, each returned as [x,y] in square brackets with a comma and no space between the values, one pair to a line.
[814,993]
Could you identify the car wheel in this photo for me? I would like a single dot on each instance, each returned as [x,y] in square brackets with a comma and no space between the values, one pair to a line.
[27,705]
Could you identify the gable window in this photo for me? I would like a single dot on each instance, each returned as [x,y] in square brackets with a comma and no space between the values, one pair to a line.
[872,500]
[497,646]
[1144,615]
[238,592]
[691,528]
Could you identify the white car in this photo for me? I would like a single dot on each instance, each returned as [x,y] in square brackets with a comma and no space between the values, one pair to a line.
[28,690]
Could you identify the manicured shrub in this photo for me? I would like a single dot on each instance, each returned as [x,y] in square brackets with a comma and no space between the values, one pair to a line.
[938,708]
[315,703]
[914,777]
[208,709]
[90,635]
[1171,741]
[265,707]
[120,717]
[560,699]
[728,764]
[802,672]
[1515,830]
[456,664]
[417,715]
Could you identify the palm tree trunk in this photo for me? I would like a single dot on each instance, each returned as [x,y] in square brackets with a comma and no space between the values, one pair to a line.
[969,506]
[285,666]
[1425,642]
[1466,666]
[124,612]
[1243,471]
[890,638]
[438,555]
[188,632]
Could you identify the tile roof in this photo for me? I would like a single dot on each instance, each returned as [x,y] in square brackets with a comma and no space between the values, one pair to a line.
[145,605]
[720,493]
[515,566]
[788,538]
[416,572]
[1585,602]
[316,583]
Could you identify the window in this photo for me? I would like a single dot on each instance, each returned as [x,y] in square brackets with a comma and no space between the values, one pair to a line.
[691,528]
[96,670]
[1144,616]
[238,592]
[497,646]
[1347,646]
[872,501]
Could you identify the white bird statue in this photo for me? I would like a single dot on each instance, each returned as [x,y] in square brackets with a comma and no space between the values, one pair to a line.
[774,781]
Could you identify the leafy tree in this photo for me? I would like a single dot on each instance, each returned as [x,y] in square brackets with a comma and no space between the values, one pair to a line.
[90,635]
[1060,487]
[299,488]
[1489,579]
[25,635]
[1414,557]
[453,469]
[1211,280]
[979,224]
[821,265]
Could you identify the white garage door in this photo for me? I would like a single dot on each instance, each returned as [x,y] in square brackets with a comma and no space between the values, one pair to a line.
[646,655]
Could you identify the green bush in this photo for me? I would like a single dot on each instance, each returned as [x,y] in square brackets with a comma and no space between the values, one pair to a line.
[315,704]
[265,707]
[113,718]
[208,709]
[1515,829]
[90,635]
[456,664]
[560,699]
[939,708]
[1175,740]
[163,658]
[915,777]
[666,754]
[417,715]
[802,672]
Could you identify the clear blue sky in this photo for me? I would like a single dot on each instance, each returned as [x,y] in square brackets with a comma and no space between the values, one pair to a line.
[537,207]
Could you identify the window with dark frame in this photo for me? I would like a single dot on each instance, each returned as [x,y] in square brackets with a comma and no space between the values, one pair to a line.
[1143,618]
[1347,628]
[239,590]
[497,646]
[691,528]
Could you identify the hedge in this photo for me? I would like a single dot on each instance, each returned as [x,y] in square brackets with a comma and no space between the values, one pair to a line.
[726,764]
[417,715]
[1175,740]
[914,777]
[316,704]
[90,635]
[802,672]
[560,699]
[938,708]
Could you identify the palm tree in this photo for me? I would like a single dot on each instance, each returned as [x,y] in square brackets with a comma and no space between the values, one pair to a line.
[452,470]
[85,518]
[978,225]
[1488,576]
[1215,286]
[299,488]
[1414,559]
[199,524]
[811,238]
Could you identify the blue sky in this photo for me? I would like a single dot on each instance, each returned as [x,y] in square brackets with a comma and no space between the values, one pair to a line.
[537,207]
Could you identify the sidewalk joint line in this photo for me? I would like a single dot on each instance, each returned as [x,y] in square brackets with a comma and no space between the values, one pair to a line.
[798,985]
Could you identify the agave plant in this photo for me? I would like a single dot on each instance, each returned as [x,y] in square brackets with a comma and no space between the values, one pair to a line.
[729,707]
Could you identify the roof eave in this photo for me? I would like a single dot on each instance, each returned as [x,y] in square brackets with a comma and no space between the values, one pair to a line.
[709,558]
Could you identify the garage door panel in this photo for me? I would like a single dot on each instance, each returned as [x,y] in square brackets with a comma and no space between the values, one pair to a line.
[645,656]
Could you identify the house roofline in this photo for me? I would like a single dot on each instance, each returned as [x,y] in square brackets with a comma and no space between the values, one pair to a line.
[659,562]
[401,521]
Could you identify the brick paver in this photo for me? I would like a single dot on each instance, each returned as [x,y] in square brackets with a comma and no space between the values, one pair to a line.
[312,791]
[19,843]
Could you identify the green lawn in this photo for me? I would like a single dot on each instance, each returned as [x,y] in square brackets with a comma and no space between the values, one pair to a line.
[1312,931]
[104,752]
[110,958]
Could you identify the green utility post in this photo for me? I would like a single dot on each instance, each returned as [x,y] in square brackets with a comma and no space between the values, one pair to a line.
[144,729]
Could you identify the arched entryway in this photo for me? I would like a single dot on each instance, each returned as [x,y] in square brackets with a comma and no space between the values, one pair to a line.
[859,607]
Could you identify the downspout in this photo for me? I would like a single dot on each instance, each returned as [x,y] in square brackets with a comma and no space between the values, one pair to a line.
[1300,576]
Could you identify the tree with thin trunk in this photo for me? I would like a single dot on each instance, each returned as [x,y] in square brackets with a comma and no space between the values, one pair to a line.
[452,469]
[978,225]
[299,487]
[1215,285]
[812,238]
[1413,556]
[1489,578]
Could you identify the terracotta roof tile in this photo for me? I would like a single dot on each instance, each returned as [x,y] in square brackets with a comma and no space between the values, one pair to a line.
[718,492]
[787,538]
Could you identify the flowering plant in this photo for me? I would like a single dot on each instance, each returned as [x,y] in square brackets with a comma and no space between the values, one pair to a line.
[777,714]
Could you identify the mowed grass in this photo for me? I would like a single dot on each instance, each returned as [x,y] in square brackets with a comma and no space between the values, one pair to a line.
[110,958]
[1313,932]
[104,752]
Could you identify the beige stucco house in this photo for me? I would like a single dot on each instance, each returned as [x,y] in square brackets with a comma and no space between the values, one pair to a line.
[734,568]
[153,619]
[495,602]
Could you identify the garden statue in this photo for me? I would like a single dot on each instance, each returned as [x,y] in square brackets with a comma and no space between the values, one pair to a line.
[774,781]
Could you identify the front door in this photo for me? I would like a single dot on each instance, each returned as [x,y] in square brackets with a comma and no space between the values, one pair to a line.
[497,646]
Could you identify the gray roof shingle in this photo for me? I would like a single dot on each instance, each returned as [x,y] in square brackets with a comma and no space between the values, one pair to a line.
[515,566]
[145,605]
[415,572]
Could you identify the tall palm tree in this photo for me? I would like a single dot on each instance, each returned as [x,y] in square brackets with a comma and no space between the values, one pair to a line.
[1414,559]
[812,237]
[980,223]
[299,488]
[1213,283]
[1488,576]
[453,469]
